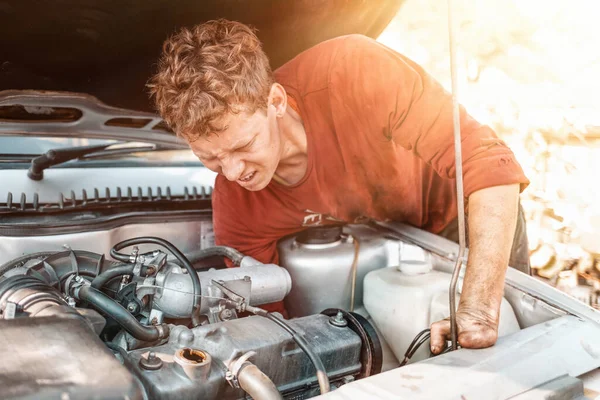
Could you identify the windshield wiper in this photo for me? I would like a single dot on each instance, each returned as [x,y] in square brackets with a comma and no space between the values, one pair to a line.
[58,156]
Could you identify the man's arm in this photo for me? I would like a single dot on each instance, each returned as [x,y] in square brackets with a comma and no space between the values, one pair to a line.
[492,221]
[381,91]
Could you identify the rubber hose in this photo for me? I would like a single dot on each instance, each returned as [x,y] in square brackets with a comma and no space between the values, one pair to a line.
[127,321]
[99,281]
[224,251]
[256,383]
[114,252]
[118,349]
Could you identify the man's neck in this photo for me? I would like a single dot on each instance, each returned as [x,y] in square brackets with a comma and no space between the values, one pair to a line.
[294,160]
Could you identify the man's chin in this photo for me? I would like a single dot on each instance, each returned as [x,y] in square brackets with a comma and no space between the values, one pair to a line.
[255,187]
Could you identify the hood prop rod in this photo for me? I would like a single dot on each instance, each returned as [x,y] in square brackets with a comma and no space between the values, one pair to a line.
[459,177]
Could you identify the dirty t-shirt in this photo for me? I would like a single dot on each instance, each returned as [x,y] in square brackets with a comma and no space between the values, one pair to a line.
[380,146]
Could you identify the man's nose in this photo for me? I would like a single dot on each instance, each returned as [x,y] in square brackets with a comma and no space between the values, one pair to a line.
[232,168]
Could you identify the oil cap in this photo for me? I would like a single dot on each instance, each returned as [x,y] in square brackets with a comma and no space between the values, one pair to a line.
[325,234]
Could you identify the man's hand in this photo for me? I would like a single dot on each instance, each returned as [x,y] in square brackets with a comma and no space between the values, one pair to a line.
[492,221]
[476,330]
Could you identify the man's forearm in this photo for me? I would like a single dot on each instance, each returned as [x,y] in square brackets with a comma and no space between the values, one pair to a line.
[492,220]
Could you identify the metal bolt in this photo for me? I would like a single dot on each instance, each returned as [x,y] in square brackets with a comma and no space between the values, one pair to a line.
[338,320]
[246,279]
[226,314]
[131,307]
[151,362]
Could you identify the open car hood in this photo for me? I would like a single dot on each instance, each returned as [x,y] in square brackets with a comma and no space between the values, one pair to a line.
[65,114]
[109,48]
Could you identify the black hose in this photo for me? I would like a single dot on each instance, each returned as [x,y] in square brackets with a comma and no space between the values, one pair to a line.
[117,349]
[114,252]
[121,315]
[321,373]
[99,281]
[224,251]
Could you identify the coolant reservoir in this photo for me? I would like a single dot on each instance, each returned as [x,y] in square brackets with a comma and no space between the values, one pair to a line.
[406,299]
[320,260]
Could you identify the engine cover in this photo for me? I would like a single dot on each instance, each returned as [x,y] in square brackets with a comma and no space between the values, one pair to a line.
[276,354]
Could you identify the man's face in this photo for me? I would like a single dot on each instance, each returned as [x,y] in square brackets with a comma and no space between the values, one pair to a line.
[247,151]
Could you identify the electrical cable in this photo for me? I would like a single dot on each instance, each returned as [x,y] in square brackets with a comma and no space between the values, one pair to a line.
[301,342]
[421,338]
[114,252]
[322,377]
[417,342]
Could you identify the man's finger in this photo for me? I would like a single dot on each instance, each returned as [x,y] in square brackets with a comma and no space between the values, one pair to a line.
[439,333]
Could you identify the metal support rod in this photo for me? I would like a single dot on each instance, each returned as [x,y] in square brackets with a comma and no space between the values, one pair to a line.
[459,176]
[354,270]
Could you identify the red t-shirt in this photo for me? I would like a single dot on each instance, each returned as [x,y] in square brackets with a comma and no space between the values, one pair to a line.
[380,145]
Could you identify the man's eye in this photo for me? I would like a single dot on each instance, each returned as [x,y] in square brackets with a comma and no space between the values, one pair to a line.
[204,159]
[248,145]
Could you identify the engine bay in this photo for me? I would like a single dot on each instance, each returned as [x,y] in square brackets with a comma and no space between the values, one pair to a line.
[175,323]
[163,317]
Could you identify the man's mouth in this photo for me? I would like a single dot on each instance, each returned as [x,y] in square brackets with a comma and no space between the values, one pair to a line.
[248,177]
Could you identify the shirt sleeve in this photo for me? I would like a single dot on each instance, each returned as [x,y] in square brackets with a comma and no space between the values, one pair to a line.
[389,95]
[231,230]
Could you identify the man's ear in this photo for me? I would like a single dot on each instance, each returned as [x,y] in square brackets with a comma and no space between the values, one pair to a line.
[278,99]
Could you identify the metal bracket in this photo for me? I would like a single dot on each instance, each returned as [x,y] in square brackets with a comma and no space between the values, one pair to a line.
[10,311]
[238,291]
[147,288]
[234,368]
[154,260]
[73,284]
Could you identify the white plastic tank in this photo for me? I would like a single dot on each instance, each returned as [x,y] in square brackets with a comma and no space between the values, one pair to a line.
[404,300]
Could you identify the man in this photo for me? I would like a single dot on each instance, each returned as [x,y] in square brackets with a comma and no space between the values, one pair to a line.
[347,130]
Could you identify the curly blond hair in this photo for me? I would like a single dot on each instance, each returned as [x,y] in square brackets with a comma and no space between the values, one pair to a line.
[208,71]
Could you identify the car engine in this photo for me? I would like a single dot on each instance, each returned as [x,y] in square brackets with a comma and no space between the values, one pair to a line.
[161,324]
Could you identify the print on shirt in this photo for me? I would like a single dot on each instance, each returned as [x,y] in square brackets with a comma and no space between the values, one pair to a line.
[315,218]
